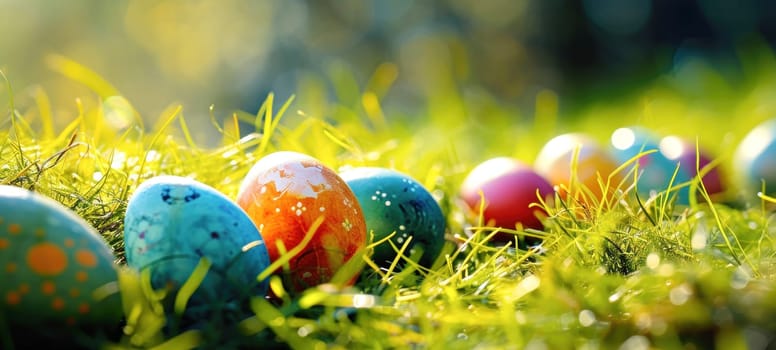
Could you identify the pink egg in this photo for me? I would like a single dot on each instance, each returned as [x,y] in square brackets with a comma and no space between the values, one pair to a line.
[509,187]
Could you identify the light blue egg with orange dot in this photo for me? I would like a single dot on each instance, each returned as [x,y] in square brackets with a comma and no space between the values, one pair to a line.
[396,204]
[55,269]
[172,223]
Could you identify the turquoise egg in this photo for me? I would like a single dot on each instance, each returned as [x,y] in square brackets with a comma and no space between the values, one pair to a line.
[655,169]
[755,158]
[395,202]
[55,269]
[172,223]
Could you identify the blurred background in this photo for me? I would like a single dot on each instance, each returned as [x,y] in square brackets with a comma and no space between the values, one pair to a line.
[232,53]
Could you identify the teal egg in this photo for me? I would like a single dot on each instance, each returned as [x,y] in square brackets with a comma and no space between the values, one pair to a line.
[172,223]
[655,169]
[755,158]
[395,202]
[55,269]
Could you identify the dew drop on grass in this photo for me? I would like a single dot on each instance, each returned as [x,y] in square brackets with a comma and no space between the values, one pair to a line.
[653,260]
[586,318]
[740,278]
[643,321]
[655,325]
[363,301]
[680,294]
[119,159]
[304,331]
[152,156]
[699,239]
[636,342]
[616,296]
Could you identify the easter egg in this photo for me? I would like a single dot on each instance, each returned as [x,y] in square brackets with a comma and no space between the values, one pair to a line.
[755,157]
[53,265]
[690,161]
[654,169]
[396,203]
[509,187]
[172,223]
[285,193]
[554,162]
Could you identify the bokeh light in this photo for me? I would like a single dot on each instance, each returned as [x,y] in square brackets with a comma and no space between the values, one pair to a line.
[231,53]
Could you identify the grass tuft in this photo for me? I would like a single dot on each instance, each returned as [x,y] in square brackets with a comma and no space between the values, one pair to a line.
[620,270]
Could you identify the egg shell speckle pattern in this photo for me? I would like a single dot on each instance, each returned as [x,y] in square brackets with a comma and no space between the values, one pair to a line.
[395,202]
[51,263]
[285,193]
[173,222]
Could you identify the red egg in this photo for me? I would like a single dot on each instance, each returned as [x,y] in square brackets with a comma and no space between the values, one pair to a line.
[285,193]
[509,187]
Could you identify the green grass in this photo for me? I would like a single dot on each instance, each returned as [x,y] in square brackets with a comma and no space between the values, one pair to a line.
[634,272]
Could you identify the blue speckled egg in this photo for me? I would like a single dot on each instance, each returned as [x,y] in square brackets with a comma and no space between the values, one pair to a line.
[655,168]
[52,265]
[395,202]
[755,157]
[173,222]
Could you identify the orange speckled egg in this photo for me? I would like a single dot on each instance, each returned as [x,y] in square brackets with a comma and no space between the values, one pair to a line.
[284,193]
[554,162]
